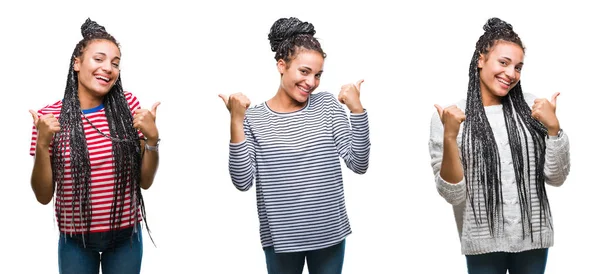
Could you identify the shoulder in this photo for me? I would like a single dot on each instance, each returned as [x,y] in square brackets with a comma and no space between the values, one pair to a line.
[325,99]
[529,98]
[132,100]
[256,110]
[53,108]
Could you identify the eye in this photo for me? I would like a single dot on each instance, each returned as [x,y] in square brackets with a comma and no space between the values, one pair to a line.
[115,65]
[318,76]
[518,69]
[98,59]
[304,72]
[502,62]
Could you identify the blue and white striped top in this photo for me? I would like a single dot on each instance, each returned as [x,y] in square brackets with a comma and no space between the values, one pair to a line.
[294,158]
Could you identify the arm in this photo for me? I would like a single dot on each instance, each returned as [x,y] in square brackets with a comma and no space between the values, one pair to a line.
[558,160]
[42,183]
[149,163]
[145,121]
[352,139]
[446,164]
[242,160]
[41,176]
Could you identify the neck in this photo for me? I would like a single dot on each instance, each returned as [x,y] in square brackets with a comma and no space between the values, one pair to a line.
[282,102]
[489,99]
[86,99]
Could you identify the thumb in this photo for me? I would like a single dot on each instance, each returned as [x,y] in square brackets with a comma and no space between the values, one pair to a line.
[440,110]
[225,99]
[154,108]
[359,83]
[35,116]
[553,100]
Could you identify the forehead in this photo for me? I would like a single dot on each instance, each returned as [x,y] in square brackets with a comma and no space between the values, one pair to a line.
[103,46]
[309,58]
[508,49]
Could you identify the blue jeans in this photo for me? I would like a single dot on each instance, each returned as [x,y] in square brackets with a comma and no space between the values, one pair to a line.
[526,262]
[321,261]
[124,257]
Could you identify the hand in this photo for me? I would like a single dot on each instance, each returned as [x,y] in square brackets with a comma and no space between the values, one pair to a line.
[350,96]
[237,104]
[46,126]
[545,112]
[144,121]
[451,117]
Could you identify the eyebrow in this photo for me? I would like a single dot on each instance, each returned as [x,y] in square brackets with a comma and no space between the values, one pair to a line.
[104,54]
[308,68]
[521,63]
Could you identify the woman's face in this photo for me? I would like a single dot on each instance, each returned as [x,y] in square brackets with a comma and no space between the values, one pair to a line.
[98,67]
[500,71]
[301,76]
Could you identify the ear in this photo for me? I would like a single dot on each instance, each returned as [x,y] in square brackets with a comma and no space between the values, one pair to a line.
[281,66]
[77,64]
[480,61]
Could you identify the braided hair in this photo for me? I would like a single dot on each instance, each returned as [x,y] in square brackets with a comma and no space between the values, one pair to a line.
[480,151]
[288,35]
[70,142]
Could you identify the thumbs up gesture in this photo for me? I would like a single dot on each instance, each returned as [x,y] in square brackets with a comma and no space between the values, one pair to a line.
[545,112]
[144,121]
[46,126]
[350,96]
[237,104]
[451,117]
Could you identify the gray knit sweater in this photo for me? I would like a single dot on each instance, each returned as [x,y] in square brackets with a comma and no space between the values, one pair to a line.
[476,239]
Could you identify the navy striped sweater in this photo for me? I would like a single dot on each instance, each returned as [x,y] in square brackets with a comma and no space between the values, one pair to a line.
[294,158]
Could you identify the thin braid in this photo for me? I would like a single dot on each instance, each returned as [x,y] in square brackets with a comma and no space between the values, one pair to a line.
[127,154]
[480,155]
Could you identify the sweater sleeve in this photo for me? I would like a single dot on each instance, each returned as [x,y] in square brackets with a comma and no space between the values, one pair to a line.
[242,160]
[558,160]
[352,138]
[452,193]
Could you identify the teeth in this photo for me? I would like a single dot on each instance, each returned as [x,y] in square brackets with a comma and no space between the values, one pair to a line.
[102,77]
[504,82]
[301,88]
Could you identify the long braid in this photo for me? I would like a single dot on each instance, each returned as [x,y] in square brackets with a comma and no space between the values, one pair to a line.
[480,155]
[71,138]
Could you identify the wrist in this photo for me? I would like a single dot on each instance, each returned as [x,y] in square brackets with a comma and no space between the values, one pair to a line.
[553,130]
[152,141]
[357,109]
[42,146]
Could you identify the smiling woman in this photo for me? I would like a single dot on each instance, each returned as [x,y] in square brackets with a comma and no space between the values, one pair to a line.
[88,155]
[495,174]
[291,145]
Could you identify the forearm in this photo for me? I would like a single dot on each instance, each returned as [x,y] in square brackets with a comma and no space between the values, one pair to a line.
[237,130]
[451,168]
[41,175]
[149,164]
[241,167]
[361,143]
[558,161]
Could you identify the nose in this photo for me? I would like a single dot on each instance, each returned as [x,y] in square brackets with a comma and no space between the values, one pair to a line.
[311,81]
[511,73]
[107,67]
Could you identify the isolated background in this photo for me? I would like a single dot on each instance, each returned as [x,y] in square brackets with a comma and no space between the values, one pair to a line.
[411,56]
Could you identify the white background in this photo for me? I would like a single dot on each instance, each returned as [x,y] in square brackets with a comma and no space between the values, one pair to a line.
[410,55]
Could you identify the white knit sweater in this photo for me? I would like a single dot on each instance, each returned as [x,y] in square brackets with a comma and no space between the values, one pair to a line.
[476,239]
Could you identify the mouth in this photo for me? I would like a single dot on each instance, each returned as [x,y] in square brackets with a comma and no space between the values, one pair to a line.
[504,83]
[103,80]
[304,90]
